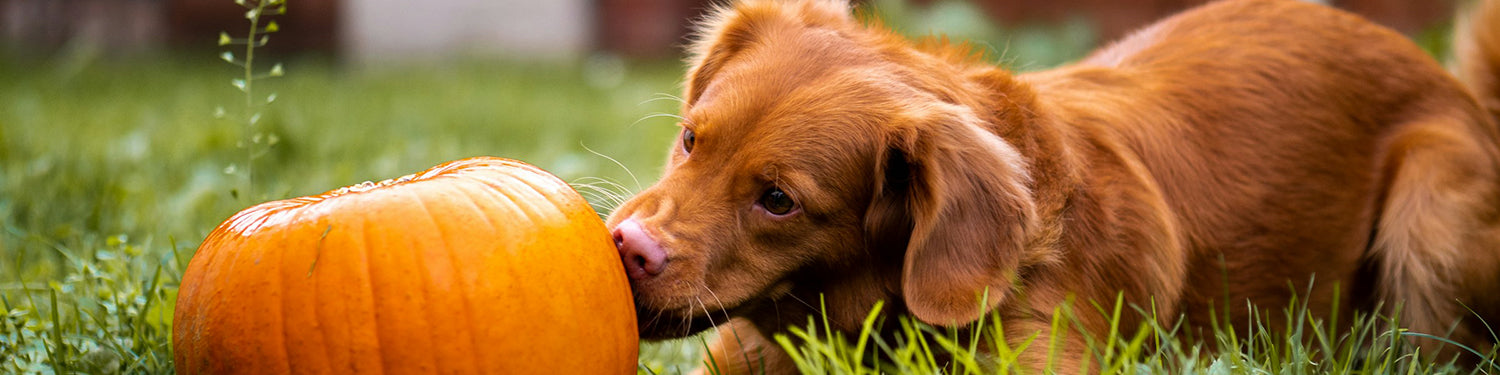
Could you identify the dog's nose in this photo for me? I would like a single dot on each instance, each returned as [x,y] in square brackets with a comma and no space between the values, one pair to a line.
[643,256]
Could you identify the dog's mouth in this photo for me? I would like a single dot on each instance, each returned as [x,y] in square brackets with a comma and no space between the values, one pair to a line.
[698,314]
[658,324]
[670,307]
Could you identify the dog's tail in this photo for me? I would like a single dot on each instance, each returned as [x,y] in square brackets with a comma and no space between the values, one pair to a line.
[1477,51]
[1436,246]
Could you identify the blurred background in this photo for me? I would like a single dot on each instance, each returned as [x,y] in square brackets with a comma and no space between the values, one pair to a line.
[124,140]
[371,31]
[377,88]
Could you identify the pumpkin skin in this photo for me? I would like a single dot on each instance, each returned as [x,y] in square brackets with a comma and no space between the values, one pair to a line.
[481,265]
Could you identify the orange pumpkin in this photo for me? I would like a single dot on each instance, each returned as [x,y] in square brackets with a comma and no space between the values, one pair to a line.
[482,265]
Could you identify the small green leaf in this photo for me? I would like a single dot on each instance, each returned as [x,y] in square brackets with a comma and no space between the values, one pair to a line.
[252,14]
[227,57]
[277,71]
[240,2]
[272,140]
[219,112]
[224,38]
[238,83]
[263,40]
[131,250]
[272,27]
[271,98]
[255,118]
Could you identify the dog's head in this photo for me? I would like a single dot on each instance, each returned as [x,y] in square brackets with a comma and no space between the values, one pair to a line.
[809,142]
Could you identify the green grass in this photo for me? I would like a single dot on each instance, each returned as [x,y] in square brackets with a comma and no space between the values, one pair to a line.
[1372,344]
[112,170]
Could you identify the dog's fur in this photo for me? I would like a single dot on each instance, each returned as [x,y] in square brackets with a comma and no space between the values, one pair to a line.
[1246,150]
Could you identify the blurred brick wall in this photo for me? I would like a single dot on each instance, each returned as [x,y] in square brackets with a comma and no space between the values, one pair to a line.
[645,28]
[109,25]
[308,25]
[123,26]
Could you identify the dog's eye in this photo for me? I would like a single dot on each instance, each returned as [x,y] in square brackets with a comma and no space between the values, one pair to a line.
[777,202]
[687,140]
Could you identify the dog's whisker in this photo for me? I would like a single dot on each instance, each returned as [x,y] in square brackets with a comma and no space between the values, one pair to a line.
[663,96]
[617,192]
[656,317]
[722,309]
[600,196]
[603,194]
[602,183]
[656,115]
[706,315]
[594,189]
[804,303]
[617,162]
[606,195]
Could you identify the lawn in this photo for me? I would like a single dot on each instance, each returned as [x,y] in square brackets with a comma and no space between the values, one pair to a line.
[113,169]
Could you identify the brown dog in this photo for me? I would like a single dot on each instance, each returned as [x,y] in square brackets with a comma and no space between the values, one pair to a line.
[1232,153]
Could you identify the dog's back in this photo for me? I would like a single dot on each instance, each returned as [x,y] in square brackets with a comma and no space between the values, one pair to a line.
[1282,152]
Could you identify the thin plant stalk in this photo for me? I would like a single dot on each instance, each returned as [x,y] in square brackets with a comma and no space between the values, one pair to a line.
[250,115]
[255,142]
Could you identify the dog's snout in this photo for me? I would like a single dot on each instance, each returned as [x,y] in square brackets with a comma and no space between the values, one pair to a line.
[642,255]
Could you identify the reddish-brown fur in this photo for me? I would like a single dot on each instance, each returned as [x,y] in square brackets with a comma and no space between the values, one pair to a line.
[1246,150]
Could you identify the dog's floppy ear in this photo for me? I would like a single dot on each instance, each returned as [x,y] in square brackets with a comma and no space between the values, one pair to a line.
[965,199]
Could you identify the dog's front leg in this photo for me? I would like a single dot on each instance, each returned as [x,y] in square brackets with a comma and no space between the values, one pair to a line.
[741,349]
[1045,354]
